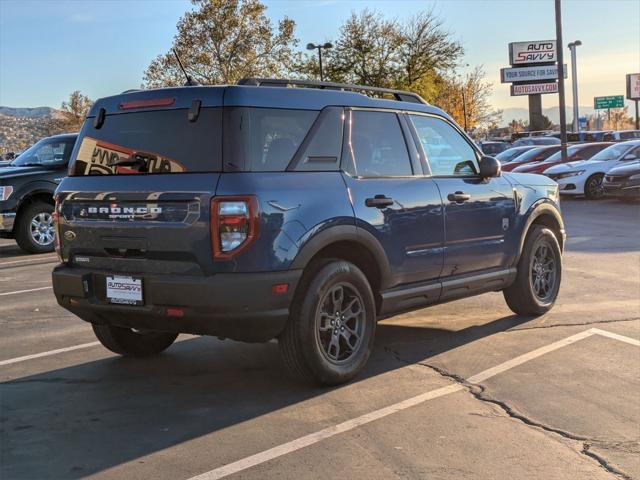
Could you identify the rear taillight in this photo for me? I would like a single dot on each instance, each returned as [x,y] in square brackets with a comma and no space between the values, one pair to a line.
[56,227]
[234,225]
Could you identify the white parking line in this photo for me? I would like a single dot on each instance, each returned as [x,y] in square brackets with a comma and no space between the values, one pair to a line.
[39,259]
[328,432]
[25,291]
[46,354]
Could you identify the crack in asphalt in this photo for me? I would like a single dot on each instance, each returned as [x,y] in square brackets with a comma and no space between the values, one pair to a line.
[582,324]
[479,392]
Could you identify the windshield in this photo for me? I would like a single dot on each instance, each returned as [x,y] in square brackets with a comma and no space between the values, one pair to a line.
[611,153]
[510,154]
[557,157]
[47,152]
[630,135]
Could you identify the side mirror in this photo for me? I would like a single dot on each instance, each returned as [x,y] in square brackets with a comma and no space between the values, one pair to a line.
[489,167]
[630,156]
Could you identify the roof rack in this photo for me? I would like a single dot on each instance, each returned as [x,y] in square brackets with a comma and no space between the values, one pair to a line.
[399,95]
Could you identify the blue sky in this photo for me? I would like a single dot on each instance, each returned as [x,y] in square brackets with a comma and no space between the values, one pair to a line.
[50,48]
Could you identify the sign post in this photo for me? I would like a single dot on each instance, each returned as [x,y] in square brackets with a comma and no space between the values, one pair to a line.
[563,113]
[633,92]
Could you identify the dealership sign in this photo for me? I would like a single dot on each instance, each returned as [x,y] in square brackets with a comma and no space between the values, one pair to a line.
[534,88]
[525,53]
[529,74]
[633,86]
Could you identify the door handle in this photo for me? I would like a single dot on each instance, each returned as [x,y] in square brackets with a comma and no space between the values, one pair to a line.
[379,201]
[458,197]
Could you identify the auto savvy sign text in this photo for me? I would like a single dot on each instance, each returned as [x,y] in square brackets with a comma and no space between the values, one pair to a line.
[525,53]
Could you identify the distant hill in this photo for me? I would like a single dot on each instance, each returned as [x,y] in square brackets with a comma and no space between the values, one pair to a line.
[22,127]
[36,112]
[553,113]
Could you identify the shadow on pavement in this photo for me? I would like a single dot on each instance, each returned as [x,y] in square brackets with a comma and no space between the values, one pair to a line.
[76,421]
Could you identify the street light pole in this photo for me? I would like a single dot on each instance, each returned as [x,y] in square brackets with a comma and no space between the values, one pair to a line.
[563,113]
[326,46]
[574,81]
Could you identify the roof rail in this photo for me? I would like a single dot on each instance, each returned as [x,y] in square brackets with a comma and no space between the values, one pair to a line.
[399,95]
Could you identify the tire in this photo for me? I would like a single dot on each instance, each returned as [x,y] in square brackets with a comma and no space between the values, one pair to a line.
[593,189]
[319,346]
[35,232]
[537,284]
[126,341]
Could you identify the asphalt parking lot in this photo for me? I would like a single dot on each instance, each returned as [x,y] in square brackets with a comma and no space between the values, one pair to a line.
[461,390]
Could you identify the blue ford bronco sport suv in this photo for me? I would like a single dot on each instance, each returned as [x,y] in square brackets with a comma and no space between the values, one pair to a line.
[302,211]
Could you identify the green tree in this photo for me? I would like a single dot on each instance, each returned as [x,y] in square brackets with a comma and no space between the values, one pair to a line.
[373,50]
[74,110]
[222,41]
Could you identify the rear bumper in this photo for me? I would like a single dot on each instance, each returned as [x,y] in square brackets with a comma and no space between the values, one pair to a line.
[241,306]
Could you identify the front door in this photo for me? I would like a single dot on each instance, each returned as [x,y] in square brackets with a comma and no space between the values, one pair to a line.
[392,199]
[479,213]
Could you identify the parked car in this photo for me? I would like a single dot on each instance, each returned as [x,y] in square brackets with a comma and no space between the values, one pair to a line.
[585,177]
[535,141]
[27,186]
[537,154]
[513,153]
[583,151]
[317,213]
[493,148]
[623,181]
[622,135]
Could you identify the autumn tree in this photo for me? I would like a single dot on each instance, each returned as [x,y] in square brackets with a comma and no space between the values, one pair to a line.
[74,111]
[470,95]
[221,41]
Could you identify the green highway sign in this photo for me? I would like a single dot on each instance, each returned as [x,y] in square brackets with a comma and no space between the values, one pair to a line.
[612,101]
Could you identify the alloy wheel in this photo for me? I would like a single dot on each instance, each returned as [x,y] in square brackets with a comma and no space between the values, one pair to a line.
[340,322]
[42,229]
[543,272]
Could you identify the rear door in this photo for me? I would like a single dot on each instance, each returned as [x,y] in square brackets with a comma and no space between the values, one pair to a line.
[142,177]
[392,199]
[478,212]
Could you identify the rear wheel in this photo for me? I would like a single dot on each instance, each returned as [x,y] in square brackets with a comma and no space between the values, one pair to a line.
[537,282]
[127,341]
[593,188]
[330,332]
[35,232]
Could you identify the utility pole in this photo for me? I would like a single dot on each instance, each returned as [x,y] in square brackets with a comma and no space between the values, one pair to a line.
[574,81]
[563,113]
[326,46]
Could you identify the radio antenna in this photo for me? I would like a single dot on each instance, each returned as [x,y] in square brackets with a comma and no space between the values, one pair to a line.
[190,80]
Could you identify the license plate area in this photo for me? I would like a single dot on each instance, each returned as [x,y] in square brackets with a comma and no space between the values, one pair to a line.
[124,290]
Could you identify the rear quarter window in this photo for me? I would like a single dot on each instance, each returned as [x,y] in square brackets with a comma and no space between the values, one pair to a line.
[264,139]
[162,141]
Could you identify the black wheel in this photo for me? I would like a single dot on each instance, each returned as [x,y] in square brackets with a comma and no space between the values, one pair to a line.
[593,188]
[330,332]
[127,341]
[539,274]
[35,232]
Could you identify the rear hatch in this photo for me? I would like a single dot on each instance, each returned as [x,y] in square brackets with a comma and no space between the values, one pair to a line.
[142,176]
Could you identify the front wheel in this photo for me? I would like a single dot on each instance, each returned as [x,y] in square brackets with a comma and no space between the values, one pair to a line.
[330,332]
[593,188]
[537,283]
[127,341]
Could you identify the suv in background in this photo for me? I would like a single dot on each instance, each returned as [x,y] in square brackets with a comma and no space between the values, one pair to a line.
[317,212]
[27,185]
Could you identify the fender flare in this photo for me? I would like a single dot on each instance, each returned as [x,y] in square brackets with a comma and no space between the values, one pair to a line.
[341,233]
[537,210]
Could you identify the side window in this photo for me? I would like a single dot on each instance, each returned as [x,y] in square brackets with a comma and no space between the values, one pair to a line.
[321,150]
[376,145]
[448,153]
[264,139]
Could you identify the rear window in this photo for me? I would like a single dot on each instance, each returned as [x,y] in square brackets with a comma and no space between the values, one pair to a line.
[162,141]
[264,139]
